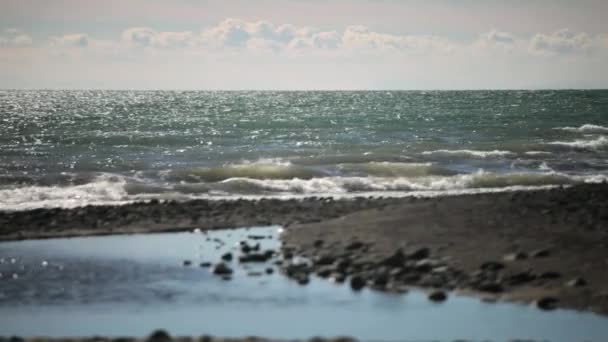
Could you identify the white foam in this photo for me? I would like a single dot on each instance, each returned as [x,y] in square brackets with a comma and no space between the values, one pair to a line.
[538,153]
[593,144]
[470,153]
[586,128]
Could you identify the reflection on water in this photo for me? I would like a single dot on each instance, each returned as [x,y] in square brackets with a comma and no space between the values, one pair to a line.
[131,285]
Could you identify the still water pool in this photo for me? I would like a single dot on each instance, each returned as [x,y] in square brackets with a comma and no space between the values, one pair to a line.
[130,285]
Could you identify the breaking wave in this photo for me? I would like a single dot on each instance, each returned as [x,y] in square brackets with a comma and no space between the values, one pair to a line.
[470,153]
[586,128]
[594,144]
[116,190]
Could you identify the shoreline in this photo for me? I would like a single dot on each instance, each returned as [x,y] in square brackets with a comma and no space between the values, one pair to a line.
[522,246]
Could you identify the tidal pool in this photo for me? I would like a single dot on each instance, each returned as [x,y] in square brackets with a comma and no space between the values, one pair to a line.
[130,285]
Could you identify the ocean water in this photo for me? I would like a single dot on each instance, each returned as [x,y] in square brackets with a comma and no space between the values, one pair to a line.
[71,148]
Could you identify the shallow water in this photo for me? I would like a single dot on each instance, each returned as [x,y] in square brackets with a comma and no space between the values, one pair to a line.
[131,285]
[72,148]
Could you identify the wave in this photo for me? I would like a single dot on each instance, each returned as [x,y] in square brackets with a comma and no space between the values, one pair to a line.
[538,153]
[470,153]
[116,190]
[394,169]
[586,128]
[594,144]
[263,169]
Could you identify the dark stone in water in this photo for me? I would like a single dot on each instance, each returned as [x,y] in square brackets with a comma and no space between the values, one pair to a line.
[205,264]
[227,256]
[491,287]
[159,336]
[357,282]
[438,296]
[324,272]
[187,262]
[222,269]
[520,278]
[302,279]
[256,237]
[318,243]
[254,257]
[547,303]
[269,270]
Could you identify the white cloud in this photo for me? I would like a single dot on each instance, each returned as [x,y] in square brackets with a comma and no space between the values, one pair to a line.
[561,42]
[74,40]
[14,37]
[147,37]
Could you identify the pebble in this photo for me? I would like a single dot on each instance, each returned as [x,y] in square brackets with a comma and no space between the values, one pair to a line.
[540,253]
[222,269]
[438,296]
[547,303]
[492,266]
[227,256]
[269,270]
[420,253]
[577,282]
[187,262]
[357,282]
[159,336]
[515,256]
[205,264]
[550,275]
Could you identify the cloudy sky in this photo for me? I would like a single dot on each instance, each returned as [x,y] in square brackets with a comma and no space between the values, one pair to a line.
[303,44]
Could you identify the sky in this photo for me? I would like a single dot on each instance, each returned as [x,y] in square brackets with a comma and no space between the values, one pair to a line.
[303,44]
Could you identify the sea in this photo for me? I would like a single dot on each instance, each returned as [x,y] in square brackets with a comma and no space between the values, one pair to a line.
[69,148]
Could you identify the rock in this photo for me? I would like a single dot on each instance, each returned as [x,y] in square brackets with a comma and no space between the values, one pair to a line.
[338,277]
[397,259]
[226,277]
[520,278]
[324,259]
[438,296]
[227,257]
[318,243]
[515,256]
[325,271]
[254,257]
[256,237]
[492,266]
[269,270]
[222,269]
[187,262]
[550,275]
[354,245]
[419,253]
[159,336]
[357,282]
[491,287]
[577,282]
[302,279]
[547,303]
[205,264]
[540,253]
[254,274]
[381,279]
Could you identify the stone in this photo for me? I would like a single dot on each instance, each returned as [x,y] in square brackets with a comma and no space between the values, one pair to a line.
[540,253]
[438,296]
[419,253]
[222,269]
[205,264]
[325,259]
[550,275]
[397,259]
[492,266]
[547,303]
[159,336]
[187,262]
[254,257]
[318,243]
[577,282]
[227,257]
[254,274]
[515,256]
[354,245]
[520,278]
[269,270]
[491,287]
[324,271]
[302,279]
[357,282]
